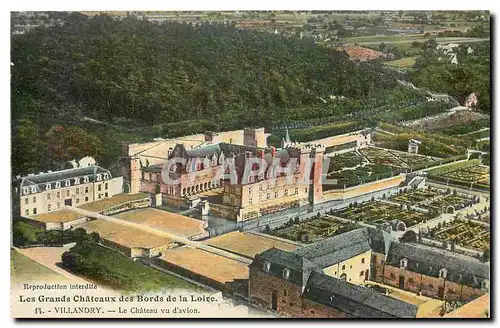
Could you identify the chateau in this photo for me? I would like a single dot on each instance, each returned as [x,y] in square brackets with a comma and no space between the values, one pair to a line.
[51,191]
[325,278]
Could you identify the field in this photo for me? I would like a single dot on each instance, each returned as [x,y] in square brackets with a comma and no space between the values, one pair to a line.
[463,233]
[406,62]
[465,173]
[248,244]
[162,220]
[58,216]
[381,212]
[313,230]
[215,267]
[107,203]
[25,270]
[124,235]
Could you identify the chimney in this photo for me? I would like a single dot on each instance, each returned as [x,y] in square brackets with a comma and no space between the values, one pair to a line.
[273,151]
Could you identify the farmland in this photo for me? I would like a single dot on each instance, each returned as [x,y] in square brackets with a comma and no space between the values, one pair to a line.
[377,213]
[463,233]
[312,230]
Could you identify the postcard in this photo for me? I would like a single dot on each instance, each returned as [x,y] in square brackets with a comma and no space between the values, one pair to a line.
[250,164]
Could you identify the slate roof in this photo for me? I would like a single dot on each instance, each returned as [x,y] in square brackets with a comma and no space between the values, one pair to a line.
[344,246]
[429,260]
[355,300]
[40,181]
[299,267]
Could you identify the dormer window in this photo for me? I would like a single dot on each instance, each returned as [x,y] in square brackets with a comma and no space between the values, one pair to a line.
[33,189]
[99,177]
[105,176]
[26,191]
[286,273]
[67,183]
[58,184]
[48,186]
[267,266]
[442,273]
[403,263]
[77,181]
[332,298]
[85,179]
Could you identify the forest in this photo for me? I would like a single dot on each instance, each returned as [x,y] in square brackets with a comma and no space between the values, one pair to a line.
[168,78]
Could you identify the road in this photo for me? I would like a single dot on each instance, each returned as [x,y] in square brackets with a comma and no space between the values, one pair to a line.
[50,257]
[464,40]
[162,233]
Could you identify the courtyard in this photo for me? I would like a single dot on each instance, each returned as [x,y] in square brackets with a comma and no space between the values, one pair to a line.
[166,221]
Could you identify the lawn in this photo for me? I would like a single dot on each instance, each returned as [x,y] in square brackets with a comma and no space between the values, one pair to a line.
[25,270]
[117,271]
[313,230]
[61,216]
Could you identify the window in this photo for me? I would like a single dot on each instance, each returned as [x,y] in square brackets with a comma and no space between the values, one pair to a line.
[99,177]
[105,176]
[26,191]
[86,199]
[49,207]
[343,267]
[268,196]
[86,189]
[77,200]
[291,304]
[77,180]
[403,263]
[306,190]
[33,189]
[27,212]
[26,200]
[48,186]
[106,194]
[34,211]
[286,192]
[312,312]
[67,193]
[99,196]
[276,194]
[34,199]
[78,191]
[267,266]
[296,191]
[249,190]
[106,185]
[411,281]
[350,267]
[67,183]
[286,273]
[442,273]
[393,276]
[85,179]
[98,187]
[58,205]
[48,196]
[58,194]
[363,260]
[284,292]
[431,286]
[58,184]
[362,273]
[250,201]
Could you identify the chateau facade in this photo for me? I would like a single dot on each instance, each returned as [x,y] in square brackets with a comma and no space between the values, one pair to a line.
[51,191]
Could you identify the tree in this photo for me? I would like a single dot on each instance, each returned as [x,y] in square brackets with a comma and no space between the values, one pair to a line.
[409,237]
[486,255]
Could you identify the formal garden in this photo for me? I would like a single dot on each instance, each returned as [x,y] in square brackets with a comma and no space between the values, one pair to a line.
[360,175]
[312,230]
[379,213]
[468,174]
[350,159]
[382,157]
[465,233]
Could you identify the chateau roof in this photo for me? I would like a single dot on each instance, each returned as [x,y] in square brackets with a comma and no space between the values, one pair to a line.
[344,246]
[429,260]
[355,300]
[299,267]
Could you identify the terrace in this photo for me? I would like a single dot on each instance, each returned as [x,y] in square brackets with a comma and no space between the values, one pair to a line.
[107,203]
